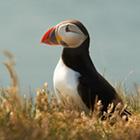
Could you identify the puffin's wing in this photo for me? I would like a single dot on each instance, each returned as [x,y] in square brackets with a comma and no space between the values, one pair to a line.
[90,88]
[87,92]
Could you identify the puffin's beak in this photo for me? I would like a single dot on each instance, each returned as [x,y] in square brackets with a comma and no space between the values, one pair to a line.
[50,37]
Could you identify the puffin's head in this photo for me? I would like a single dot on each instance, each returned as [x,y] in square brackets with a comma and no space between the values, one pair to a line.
[69,33]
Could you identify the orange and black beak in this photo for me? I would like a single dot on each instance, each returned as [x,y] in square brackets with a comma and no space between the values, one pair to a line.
[50,37]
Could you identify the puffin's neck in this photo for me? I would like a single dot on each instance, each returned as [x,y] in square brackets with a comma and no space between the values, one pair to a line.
[78,58]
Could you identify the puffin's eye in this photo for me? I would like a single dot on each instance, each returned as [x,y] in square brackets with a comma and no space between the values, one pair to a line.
[67,29]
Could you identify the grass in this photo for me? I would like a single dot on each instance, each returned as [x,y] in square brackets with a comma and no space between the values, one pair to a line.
[43,118]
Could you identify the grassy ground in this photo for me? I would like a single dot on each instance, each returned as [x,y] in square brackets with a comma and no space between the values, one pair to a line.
[22,118]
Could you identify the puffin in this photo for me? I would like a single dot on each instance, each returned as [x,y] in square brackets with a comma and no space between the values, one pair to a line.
[75,75]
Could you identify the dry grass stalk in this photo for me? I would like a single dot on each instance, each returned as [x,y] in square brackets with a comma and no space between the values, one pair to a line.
[9,64]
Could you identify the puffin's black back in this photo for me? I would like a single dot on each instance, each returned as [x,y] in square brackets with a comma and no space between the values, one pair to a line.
[91,83]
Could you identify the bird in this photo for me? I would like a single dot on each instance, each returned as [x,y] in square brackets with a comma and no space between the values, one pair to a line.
[75,74]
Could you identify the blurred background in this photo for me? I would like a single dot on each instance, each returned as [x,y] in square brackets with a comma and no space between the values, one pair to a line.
[114,27]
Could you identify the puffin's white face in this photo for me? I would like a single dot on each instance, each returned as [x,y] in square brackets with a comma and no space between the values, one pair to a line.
[70,35]
[66,33]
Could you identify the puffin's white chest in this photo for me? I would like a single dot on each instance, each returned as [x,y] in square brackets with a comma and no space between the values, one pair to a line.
[65,79]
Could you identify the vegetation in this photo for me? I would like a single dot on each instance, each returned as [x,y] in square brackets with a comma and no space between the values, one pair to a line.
[43,118]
